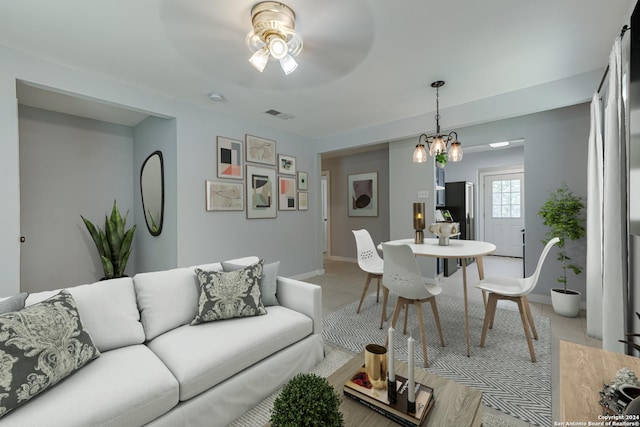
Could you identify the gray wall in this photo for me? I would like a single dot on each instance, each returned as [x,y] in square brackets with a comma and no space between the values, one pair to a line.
[407,178]
[555,151]
[342,241]
[69,166]
[155,253]
[293,237]
[467,169]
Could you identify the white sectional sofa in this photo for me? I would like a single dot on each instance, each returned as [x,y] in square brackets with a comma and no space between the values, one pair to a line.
[156,369]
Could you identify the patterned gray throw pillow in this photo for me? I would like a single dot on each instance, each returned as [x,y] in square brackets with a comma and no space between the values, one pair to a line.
[225,295]
[39,346]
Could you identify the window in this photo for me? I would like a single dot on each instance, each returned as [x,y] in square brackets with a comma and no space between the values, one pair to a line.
[506,198]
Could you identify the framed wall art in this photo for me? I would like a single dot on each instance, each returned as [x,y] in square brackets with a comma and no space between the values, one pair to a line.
[260,192]
[286,164]
[303,202]
[224,196]
[260,150]
[286,194]
[302,181]
[363,194]
[229,158]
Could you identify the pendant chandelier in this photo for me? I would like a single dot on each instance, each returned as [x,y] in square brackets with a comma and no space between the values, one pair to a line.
[438,144]
[273,36]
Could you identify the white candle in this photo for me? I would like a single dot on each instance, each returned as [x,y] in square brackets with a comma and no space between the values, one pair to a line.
[391,357]
[412,383]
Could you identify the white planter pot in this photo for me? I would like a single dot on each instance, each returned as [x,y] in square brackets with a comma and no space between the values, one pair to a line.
[565,304]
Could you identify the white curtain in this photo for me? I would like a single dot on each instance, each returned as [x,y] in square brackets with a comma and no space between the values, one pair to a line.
[607,276]
[594,221]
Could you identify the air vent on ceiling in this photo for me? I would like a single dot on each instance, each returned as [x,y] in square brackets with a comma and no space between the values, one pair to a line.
[280,115]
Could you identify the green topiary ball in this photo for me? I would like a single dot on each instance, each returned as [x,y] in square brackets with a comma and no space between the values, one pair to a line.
[308,400]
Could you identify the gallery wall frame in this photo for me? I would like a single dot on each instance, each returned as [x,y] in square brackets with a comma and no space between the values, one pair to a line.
[303,201]
[363,194]
[229,158]
[286,164]
[224,196]
[260,192]
[260,150]
[303,183]
[287,194]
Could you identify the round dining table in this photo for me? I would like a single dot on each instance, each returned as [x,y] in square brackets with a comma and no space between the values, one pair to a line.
[459,249]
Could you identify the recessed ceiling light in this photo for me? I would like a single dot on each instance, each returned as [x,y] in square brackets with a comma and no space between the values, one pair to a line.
[499,144]
[216,97]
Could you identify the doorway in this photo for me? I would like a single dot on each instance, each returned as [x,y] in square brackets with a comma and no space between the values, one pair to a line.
[502,207]
[325,186]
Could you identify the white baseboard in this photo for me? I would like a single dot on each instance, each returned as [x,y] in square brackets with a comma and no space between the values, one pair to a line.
[308,274]
[341,258]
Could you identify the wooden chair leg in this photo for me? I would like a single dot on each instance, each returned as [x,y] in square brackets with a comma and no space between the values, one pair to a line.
[378,290]
[530,317]
[385,299]
[406,317]
[436,317]
[422,334]
[493,312]
[525,325]
[488,315]
[364,291]
[484,298]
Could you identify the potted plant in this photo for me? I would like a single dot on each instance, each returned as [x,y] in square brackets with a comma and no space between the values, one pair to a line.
[562,213]
[305,401]
[113,243]
[441,160]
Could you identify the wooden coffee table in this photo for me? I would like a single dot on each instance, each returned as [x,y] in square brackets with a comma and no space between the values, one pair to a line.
[455,404]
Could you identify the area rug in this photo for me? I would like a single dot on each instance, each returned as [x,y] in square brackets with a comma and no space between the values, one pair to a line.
[502,369]
[259,415]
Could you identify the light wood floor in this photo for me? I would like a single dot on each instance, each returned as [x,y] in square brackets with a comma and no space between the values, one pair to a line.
[343,281]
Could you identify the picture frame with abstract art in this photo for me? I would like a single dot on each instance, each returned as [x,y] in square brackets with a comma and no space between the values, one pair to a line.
[260,150]
[287,194]
[302,181]
[229,158]
[363,194]
[260,186]
[303,201]
[224,196]
[286,164]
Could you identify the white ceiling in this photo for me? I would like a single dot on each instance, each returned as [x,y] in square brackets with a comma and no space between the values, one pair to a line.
[364,62]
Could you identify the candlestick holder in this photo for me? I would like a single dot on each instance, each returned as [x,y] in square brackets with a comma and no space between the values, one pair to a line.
[392,392]
[418,222]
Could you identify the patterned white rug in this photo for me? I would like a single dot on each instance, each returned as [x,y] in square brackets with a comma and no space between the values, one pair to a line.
[259,415]
[502,369]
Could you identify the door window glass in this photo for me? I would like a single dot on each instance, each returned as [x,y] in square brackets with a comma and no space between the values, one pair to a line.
[506,198]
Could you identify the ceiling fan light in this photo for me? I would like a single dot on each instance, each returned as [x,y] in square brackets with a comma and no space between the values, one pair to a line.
[278,47]
[259,59]
[288,64]
[419,154]
[455,154]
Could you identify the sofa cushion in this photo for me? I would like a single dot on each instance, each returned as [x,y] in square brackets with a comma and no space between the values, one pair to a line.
[205,355]
[128,386]
[13,303]
[225,295]
[268,282]
[166,299]
[39,346]
[108,310]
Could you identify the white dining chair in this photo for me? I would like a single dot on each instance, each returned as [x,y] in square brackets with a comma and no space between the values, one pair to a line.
[369,261]
[402,276]
[516,290]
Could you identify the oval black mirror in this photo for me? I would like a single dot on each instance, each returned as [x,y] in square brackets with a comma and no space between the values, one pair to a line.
[152,189]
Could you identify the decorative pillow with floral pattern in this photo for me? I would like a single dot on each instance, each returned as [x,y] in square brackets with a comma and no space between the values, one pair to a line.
[39,346]
[225,295]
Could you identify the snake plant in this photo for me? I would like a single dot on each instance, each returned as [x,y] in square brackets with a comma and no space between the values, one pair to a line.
[113,243]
